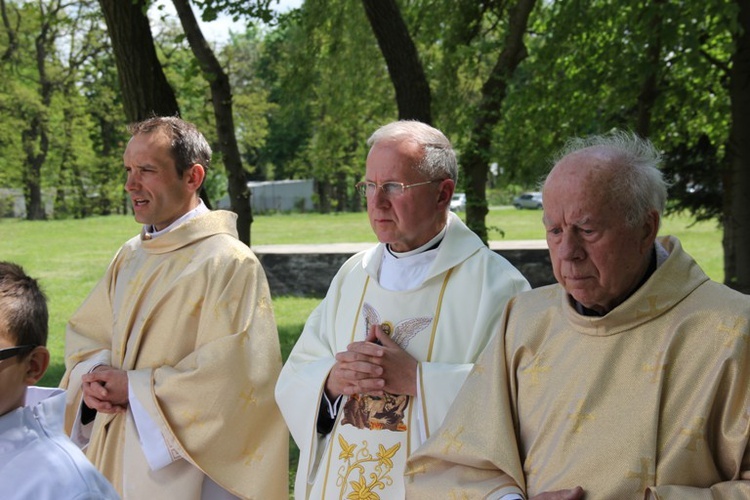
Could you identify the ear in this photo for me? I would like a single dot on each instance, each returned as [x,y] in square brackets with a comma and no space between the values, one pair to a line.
[195,176]
[446,189]
[650,230]
[36,364]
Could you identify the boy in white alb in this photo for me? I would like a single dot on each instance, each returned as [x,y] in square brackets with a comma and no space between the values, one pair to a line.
[37,460]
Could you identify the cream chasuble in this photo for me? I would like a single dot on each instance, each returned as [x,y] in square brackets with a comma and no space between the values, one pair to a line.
[188,315]
[654,396]
[374,435]
[444,323]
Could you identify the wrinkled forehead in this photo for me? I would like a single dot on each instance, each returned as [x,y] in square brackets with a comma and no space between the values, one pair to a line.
[582,185]
[591,170]
[395,155]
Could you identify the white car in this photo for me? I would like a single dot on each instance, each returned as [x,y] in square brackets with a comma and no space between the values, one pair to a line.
[458,202]
[528,200]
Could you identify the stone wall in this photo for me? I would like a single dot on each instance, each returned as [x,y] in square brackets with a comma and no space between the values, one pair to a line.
[307,270]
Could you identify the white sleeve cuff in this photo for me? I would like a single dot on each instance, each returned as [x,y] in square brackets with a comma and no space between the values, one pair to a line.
[152,441]
[332,406]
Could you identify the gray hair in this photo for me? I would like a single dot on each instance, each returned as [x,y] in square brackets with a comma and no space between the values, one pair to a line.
[638,182]
[439,159]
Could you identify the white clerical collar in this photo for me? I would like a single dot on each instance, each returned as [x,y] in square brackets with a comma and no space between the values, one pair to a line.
[151,233]
[401,271]
[433,243]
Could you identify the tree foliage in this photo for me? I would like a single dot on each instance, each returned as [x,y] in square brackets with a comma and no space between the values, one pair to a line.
[309,86]
[51,48]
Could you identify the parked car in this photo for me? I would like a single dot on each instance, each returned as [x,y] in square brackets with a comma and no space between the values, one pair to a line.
[458,202]
[528,200]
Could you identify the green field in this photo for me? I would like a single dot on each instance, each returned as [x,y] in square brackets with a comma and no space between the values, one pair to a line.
[69,256]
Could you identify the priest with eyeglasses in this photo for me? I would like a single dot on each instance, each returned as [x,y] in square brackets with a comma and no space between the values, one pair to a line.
[383,356]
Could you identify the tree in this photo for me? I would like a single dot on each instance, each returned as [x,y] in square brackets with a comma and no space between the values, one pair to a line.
[411,85]
[475,157]
[252,103]
[145,89]
[690,98]
[737,179]
[331,92]
[59,37]
[221,96]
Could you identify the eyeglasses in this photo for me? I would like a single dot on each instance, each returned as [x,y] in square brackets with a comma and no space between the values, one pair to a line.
[390,189]
[9,352]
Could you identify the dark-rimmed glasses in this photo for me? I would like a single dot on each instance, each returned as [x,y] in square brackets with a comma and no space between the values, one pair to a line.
[9,352]
[390,189]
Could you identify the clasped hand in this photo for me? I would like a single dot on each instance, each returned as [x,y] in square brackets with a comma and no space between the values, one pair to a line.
[371,368]
[105,389]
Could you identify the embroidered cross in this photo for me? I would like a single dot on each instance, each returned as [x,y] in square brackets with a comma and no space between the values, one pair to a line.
[536,369]
[248,397]
[695,434]
[263,304]
[733,332]
[644,475]
[578,417]
[460,495]
[252,456]
[653,309]
[655,369]
[192,418]
[451,440]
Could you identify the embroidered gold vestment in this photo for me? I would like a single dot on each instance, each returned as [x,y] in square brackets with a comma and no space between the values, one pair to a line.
[188,314]
[654,396]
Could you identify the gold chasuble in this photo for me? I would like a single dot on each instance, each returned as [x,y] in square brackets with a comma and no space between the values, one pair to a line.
[652,397]
[444,323]
[188,314]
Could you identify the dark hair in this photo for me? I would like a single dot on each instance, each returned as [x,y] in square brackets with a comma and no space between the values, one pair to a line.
[23,307]
[188,145]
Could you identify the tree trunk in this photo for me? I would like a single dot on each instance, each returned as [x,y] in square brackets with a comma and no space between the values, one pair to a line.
[476,158]
[35,144]
[221,96]
[650,87]
[412,89]
[35,137]
[736,216]
[144,87]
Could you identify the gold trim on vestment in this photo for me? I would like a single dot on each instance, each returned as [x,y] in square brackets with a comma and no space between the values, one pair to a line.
[432,343]
[410,407]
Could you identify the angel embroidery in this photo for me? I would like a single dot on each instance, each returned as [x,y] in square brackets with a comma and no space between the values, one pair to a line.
[402,333]
[386,412]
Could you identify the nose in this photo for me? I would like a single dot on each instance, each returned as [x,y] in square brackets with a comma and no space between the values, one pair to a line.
[130,182]
[570,247]
[378,198]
